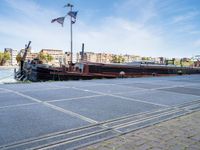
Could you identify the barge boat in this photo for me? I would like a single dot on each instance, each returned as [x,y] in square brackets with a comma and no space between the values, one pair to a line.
[89,70]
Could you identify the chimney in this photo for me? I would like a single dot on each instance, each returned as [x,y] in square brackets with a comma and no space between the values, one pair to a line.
[82,53]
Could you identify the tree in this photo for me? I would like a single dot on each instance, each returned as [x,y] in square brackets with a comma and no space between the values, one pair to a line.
[7,56]
[18,58]
[4,57]
[45,57]
[184,63]
[178,62]
[41,56]
[115,59]
[121,59]
[1,56]
[146,58]
[49,58]
[118,59]
[187,63]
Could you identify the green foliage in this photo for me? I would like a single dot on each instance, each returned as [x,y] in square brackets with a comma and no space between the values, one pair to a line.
[1,56]
[118,59]
[187,63]
[4,57]
[146,58]
[45,57]
[49,58]
[7,56]
[170,62]
[184,63]
[177,62]
[18,58]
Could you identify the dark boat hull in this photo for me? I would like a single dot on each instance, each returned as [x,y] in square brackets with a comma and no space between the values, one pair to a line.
[92,70]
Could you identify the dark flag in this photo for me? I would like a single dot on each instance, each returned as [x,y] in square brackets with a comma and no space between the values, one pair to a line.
[73,21]
[59,20]
[73,14]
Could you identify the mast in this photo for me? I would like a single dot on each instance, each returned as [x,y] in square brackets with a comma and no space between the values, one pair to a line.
[71,31]
[71,36]
[60,20]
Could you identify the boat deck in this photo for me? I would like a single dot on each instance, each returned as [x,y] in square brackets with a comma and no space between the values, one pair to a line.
[72,114]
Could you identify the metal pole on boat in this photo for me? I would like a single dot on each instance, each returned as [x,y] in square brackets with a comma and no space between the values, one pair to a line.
[71,31]
[71,36]
[82,53]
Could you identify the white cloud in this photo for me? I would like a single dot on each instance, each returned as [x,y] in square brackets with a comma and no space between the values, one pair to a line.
[120,36]
[34,24]
[112,34]
[185,17]
[140,10]
[197,43]
[30,9]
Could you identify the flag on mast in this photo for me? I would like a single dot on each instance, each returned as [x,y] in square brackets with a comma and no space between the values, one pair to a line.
[60,20]
[73,14]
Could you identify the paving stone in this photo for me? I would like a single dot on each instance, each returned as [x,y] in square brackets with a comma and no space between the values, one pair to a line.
[196,138]
[156,148]
[185,141]
[140,142]
[178,147]
[194,147]
[126,146]
[156,144]
[144,147]
[178,134]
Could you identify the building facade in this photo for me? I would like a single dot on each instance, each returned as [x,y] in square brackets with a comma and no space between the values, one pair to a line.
[95,57]
[13,55]
[67,58]
[58,56]
[31,56]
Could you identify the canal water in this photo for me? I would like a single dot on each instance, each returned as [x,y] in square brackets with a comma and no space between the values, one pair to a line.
[7,76]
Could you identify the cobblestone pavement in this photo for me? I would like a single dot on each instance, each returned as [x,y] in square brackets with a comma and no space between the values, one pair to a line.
[178,134]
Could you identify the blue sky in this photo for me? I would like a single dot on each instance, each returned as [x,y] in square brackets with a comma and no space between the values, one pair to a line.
[167,28]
